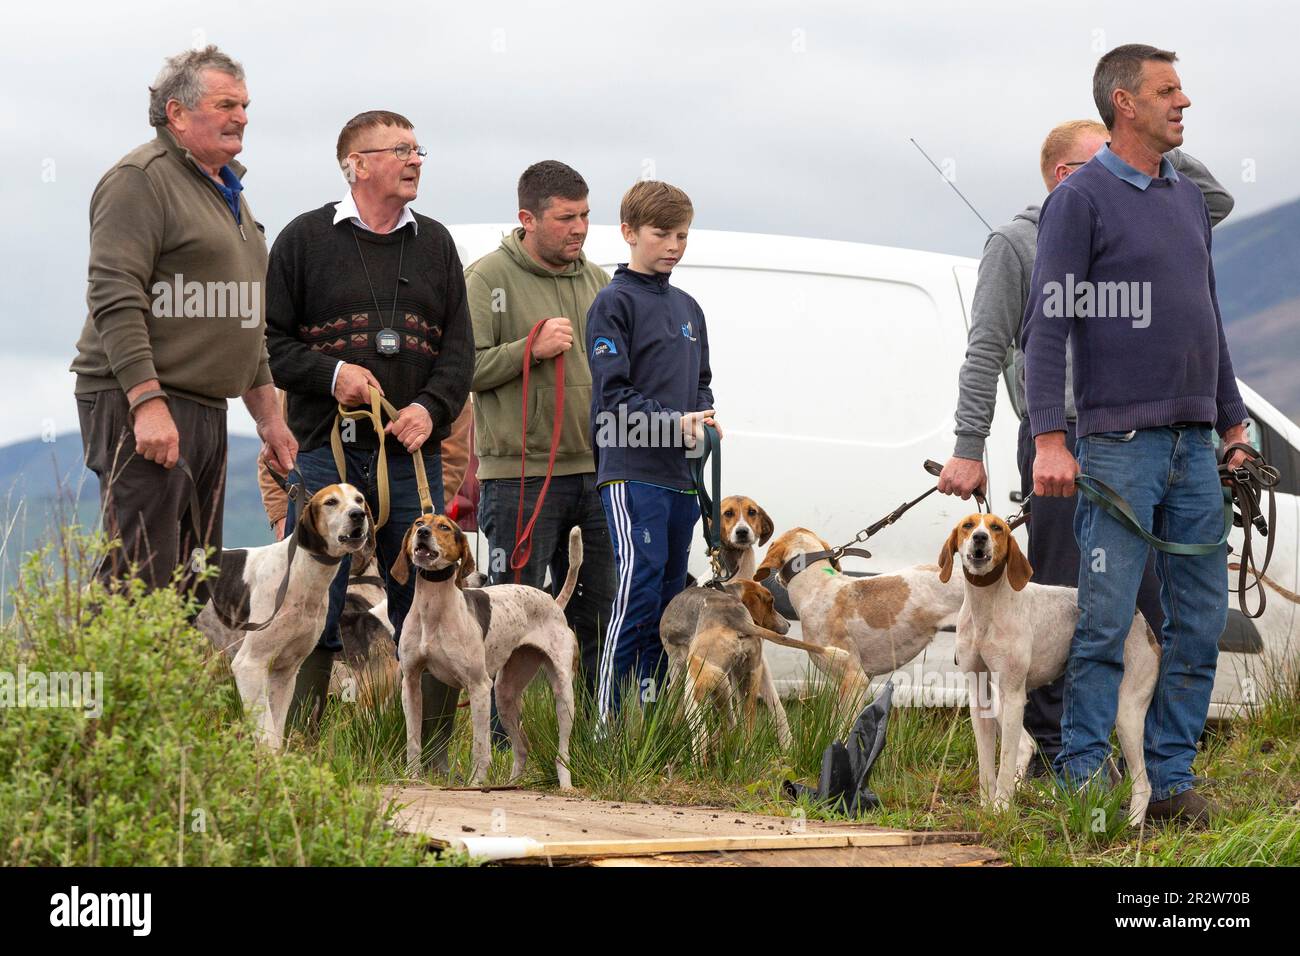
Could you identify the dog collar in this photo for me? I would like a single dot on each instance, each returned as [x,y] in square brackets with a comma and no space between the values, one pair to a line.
[984,580]
[437,576]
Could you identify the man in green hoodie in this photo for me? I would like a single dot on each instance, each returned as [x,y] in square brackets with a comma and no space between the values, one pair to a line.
[540,273]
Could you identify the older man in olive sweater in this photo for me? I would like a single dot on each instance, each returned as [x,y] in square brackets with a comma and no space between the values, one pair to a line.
[176,323]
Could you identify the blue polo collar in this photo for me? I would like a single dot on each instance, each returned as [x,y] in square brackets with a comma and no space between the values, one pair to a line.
[231,190]
[1134,177]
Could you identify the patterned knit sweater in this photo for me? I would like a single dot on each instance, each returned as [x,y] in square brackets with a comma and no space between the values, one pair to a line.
[321,309]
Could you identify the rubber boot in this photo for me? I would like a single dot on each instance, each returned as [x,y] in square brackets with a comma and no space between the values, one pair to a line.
[438,710]
[310,691]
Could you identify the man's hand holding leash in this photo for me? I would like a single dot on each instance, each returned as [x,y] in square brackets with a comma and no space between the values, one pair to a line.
[1234,435]
[412,427]
[556,337]
[963,477]
[353,384]
[1054,466]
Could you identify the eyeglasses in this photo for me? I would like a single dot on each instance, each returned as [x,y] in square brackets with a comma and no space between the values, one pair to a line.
[402,151]
[1078,162]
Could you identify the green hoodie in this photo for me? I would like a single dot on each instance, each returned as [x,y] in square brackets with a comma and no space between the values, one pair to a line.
[508,293]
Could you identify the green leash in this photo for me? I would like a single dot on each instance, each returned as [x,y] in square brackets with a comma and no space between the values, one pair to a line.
[709,495]
[1113,503]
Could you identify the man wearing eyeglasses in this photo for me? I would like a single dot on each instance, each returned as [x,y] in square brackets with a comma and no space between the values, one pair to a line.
[366,293]
[993,348]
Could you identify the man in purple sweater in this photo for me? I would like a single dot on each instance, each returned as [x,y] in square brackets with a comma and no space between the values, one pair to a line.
[1124,271]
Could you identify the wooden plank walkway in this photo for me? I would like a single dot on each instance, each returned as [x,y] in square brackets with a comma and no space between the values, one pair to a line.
[526,826]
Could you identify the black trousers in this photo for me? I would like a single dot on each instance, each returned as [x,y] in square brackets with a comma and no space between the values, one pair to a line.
[1054,556]
[145,504]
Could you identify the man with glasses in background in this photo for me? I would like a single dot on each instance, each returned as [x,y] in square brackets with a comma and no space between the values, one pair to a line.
[366,293]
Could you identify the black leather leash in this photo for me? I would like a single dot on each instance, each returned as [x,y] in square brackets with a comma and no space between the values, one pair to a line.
[709,495]
[801,561]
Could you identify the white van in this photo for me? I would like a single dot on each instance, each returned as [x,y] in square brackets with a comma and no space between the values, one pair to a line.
[835,370]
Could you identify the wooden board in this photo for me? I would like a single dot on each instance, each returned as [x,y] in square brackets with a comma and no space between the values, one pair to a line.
[526,825]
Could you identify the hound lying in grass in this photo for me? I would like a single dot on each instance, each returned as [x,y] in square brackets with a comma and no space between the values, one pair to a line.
[881,622]
[1021,633]
[465,637]
[335,522]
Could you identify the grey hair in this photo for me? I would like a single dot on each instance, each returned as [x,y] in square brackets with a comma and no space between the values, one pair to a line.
[1121,69]
[181,79]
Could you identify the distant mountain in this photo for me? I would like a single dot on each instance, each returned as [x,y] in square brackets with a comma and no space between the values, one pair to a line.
[42,483]
[1257,273]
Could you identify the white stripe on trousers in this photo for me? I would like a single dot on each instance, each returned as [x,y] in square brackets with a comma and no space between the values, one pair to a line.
[621,520]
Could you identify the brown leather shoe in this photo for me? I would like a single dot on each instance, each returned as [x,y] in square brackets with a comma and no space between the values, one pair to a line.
[1188,808]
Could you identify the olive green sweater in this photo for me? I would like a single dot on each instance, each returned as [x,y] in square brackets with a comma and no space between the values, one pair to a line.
[177,287]
[508,293]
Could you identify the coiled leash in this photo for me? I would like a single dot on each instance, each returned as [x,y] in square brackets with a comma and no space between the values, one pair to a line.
[708,495]
[1242,488]
[524,535]
[375,415]
[801,561]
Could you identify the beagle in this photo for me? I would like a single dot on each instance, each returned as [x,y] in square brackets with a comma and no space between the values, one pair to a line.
[483,640]
[294,574]
[745,528]
[879,622]
[714,642]
[1020,633]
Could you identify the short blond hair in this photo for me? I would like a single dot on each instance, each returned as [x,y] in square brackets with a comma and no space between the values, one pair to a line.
[1061,140]
[653,203]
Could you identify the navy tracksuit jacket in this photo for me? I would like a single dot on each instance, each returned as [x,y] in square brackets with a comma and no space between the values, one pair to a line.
[649,355]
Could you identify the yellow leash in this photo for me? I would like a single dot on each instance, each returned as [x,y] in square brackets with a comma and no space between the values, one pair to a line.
[379,405]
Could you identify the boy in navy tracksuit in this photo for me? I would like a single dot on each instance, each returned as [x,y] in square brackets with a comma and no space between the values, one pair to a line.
[650,395]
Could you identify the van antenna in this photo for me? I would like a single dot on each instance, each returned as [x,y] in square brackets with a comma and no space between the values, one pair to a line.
[953,185]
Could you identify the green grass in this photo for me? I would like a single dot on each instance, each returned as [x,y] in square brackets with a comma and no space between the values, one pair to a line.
[926,777]
[168,773]
[125,788]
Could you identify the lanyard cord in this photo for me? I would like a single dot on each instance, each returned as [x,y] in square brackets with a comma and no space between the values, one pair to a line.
[401,251]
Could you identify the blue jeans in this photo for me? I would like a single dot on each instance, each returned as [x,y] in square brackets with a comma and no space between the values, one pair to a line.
[316,470]
[651,530]
[1169,475]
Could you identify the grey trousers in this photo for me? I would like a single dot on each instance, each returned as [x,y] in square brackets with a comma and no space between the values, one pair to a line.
[145,505]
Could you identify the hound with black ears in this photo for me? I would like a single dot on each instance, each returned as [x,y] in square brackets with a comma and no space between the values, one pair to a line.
[268,606]
[1021,633]
[482,640]
[745,528]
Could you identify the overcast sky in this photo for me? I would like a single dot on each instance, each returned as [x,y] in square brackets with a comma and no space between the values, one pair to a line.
[776,117]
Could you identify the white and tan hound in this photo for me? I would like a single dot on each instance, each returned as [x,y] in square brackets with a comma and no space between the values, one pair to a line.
[745,528]
[1020,634]
[483,640]
[265,664]
[882,621]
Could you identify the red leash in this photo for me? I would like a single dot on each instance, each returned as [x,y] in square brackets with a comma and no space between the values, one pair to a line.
[524,535]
